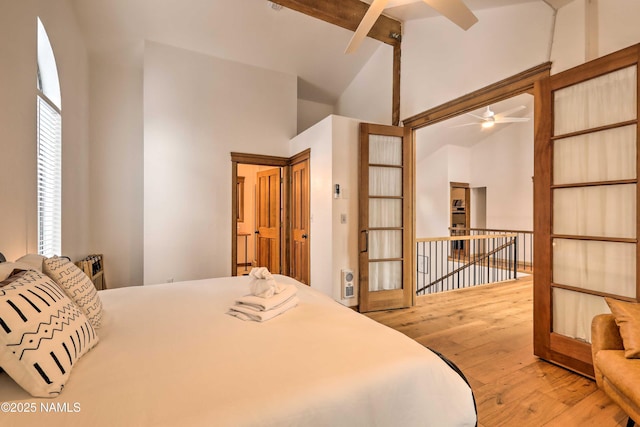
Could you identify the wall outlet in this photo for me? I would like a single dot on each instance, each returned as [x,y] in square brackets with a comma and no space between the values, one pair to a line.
[348,288]
[343,218]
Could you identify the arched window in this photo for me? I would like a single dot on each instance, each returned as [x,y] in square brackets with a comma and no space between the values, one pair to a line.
[49,140]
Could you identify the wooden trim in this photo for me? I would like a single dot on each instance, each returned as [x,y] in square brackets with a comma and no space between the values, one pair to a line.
[300,157]
[234,221]
[507,88]
[395,94]
[598,67]
[578,349]
[542,218]
[637,177]
[408,275]
[594,130]
[595,184]
[259,159]
[285,224]
[453,184]
[595,238]
[347,14]
[592,292]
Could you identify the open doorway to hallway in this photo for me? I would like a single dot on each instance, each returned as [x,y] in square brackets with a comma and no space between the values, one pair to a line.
[474,196]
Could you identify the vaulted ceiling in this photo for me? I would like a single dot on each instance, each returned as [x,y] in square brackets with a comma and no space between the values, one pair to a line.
[250,32]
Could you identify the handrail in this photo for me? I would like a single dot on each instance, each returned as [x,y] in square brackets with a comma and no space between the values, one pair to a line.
[469,264]
[489,229]
[464,237]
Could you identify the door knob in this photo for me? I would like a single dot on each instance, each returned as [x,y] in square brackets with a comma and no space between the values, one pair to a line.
[304,236]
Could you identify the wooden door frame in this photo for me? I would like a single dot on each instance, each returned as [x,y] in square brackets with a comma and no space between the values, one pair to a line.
[285,234]
[524,82]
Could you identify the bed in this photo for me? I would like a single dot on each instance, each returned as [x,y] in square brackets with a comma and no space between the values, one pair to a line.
[169,355]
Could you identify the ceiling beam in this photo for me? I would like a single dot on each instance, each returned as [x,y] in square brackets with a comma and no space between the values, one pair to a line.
[347,14]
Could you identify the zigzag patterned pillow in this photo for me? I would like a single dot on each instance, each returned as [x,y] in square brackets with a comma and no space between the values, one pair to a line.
[42,333]
[76,285]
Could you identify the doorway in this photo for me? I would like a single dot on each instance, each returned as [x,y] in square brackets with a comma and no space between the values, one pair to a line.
[270,214]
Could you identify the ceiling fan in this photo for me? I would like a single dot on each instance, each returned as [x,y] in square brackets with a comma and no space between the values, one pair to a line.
[455,10]
[488,119]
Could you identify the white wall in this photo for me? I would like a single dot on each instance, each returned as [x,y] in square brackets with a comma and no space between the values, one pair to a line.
[432,194]
[345,251]
[503,163]
[117,161]
[319,139]
[369,96]
[198,109]
[333,245]
[18,228]
[311,112]
[617,28]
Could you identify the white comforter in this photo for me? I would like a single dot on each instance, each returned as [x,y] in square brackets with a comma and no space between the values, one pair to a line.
[169,356]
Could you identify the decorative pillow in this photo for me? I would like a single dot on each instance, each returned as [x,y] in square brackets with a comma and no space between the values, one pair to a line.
[76,285]
[627,316]
[6,268]
[42,333]
[34,260]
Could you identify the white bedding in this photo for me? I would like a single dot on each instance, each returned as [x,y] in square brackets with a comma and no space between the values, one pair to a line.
[169,356]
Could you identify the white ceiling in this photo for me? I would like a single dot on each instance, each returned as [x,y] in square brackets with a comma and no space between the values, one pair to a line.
[250,32]
[431,138]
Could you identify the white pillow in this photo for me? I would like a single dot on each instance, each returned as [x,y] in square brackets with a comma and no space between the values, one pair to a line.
[42,333]
[34,260]
[76,285]
[6,268]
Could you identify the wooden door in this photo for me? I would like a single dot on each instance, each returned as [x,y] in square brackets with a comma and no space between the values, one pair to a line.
[268,220]
[300,221]
[585,202]
[386,217]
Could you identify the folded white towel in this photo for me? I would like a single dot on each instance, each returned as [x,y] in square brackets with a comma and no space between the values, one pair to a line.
[263,284]
[260,273]
[264,304]
[249,313]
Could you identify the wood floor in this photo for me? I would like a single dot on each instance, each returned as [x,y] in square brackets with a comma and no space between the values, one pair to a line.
[488,332]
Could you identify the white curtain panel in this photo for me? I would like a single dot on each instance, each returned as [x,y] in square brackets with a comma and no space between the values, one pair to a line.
[607,99]
[386,181]
[385,276]
[387,213]
[599,266]
[574,311]
[608,155]
[605,210]
[385,150]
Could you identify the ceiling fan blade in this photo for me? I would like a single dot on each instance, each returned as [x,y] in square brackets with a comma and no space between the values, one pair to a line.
[476,116]
[466,124]
[510,111]
[512,119]
[366,24]
[456,11]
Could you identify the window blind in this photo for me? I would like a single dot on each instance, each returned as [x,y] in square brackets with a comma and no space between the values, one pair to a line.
[49,178]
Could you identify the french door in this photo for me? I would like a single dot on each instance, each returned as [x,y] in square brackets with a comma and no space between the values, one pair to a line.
[386,217]
[268,219]
[586,202]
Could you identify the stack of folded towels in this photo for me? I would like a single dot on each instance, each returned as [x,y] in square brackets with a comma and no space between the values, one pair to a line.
[267,300]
